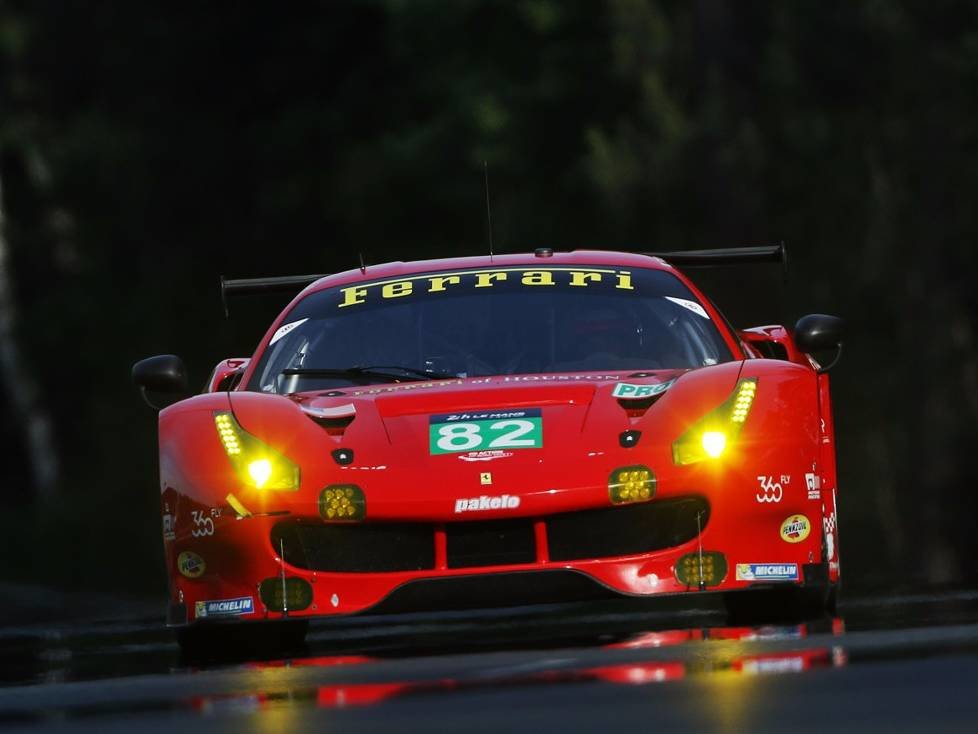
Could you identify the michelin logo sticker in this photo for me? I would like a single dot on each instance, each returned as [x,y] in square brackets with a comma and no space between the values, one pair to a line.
[629,391]
[224,607]
[767,571]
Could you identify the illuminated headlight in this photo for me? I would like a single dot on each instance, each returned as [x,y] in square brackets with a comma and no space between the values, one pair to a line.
[711,436]
[257,464]
[631,484]
[342,502]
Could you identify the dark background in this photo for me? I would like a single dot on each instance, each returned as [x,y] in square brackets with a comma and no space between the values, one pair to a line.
[147,148]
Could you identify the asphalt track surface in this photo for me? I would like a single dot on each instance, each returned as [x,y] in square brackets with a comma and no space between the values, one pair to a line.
[888,664]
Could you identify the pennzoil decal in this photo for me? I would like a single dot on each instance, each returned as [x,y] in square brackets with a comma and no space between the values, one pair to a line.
[795,529]
[480,430]
[584,277]
[628,391]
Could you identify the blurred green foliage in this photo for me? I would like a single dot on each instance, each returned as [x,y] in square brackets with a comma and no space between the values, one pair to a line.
[146,148]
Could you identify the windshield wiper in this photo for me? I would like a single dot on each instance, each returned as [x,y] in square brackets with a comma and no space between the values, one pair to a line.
[394,371]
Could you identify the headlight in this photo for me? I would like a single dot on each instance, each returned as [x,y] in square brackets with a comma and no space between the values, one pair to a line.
[257,464]
[711,436]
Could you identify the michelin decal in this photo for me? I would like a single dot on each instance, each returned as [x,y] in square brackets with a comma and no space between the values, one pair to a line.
[767,571]
[224,607]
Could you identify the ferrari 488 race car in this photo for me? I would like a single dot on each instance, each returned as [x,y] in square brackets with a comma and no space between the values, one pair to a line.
[498,430]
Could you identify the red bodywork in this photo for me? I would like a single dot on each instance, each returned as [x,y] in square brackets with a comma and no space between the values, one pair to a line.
[751,491]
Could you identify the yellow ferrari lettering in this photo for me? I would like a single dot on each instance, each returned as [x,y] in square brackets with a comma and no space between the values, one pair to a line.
[485,280]
[438,283]
[538,277]
[355,295]
[580,277]
[396,290]
[352,296]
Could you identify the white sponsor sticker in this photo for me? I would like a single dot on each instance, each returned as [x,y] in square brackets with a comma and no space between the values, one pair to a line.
[283,330]
[485,455]
[814,484]
[690,305]
[628,391]
[767,571]
[486,502]
[225,607]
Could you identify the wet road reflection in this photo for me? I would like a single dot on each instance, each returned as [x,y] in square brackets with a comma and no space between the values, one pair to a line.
[435,665]
[633,673]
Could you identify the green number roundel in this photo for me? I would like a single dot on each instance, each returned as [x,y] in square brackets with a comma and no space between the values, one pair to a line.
[486,430]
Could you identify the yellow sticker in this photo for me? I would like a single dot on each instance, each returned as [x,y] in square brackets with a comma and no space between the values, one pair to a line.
[191,565]
[795,529]
[485,477]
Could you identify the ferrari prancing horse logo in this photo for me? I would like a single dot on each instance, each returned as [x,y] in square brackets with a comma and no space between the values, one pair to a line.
[485,478]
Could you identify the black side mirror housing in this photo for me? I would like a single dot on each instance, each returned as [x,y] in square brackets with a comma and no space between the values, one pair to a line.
[163,373]
[819,332]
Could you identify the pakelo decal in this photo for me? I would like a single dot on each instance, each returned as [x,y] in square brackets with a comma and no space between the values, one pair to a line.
[486,502]
[451,433]
[191,565]
[795,529]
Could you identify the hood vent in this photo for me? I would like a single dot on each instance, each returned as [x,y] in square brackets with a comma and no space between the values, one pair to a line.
[636,407]
[334,420]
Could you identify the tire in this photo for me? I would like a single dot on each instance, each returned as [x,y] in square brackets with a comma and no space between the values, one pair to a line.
[242,640]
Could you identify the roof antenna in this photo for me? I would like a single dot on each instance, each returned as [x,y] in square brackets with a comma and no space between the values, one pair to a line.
[363,265]
[485,168]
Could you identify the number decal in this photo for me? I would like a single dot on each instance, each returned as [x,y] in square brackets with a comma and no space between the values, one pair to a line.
[512,440]
[203,525]
[451,433]
[492,429]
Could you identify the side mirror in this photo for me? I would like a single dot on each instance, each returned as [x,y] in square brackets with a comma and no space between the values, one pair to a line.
[164,373]
[818,332]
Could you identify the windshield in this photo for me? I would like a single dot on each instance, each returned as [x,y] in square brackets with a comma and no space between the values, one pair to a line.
[502,321]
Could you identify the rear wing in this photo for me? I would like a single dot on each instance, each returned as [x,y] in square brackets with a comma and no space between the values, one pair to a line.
[727,256]
[250,286]
[685,258]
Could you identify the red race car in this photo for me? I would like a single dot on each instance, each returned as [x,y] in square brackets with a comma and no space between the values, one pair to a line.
[497,430]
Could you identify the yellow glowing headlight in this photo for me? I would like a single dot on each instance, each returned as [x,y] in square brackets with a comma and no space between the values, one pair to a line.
[711,436]
[714,442]
[257,464]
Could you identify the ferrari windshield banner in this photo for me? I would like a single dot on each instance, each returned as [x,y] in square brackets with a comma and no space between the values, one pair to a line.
[488,429]
[487,278]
